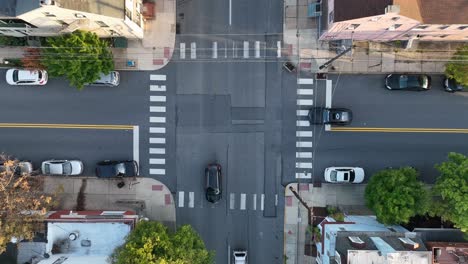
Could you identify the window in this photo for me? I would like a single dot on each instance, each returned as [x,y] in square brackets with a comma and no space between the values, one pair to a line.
[421,27]
[78,15]
[394,26]
[101,24]
[462,27]
[443,27]
[353,26]
[331,17]
[375,19]
[61,22]
[395,18]
[48,14]
[443,36]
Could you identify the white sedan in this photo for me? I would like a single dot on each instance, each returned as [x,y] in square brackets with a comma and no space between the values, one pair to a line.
[344,175]
[62,167]
[26,77]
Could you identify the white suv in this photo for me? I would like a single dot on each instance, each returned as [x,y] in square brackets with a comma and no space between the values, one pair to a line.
[26,77]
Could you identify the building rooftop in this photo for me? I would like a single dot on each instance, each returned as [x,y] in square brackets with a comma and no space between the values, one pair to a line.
[440,234]
[111,8]
[352,9]
[449,253]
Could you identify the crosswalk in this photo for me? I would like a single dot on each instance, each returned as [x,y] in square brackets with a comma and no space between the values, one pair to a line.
[157,128]
[236,201]
[232,49]
[304,134]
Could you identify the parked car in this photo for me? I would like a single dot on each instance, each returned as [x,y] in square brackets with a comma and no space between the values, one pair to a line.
[344,175]
[112,168]
[26,77]
[20,168]
[451,85]
[408,82]
[335,116]
[213,190]
[240,257]
[111,79]
[62,167]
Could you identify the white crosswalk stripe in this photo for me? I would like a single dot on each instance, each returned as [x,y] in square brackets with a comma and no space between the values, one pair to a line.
[304,144]
[158,98]
[157,140]
[157,161]
[262,201]
[305,91]
[278,49]
[182,50]
[157,88]
[158,130]
[302,112]
[158,109]
[181,199]
[254,201]
[302,123]
[157,77]
[157,119]
[242,201]
[232,200]
[191,200]
[157,171]
[304,165]
[257,49]
[306,102]
[246,49]
[157,151]
[303,133]
[303,155]
[193,50]
[305,81]
[215,50]
[302,175]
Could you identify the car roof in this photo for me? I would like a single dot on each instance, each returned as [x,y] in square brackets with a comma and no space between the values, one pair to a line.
[31,75]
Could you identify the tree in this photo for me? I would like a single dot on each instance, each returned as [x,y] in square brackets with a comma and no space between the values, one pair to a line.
[151,243]
[458,67]
[80,57]
[452,190]
[22,203]
[395,195]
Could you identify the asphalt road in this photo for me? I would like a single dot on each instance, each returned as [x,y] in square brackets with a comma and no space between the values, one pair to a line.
[375,106]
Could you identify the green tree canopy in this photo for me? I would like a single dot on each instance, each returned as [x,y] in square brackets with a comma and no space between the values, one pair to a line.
[395,195]
[458,67]
[151,243]
[80,57]
[452,189]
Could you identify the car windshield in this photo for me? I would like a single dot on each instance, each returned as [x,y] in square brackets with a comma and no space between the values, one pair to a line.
[39,74]
[423,81]
[404,81]
[15,76]
[333,176]
[67,168]
[351,175]
[119,169]
[46,168]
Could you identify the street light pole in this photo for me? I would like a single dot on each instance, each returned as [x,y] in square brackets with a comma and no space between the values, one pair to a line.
[326,64]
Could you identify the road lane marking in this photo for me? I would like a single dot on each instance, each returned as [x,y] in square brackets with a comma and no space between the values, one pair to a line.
[303,133]
[157,171]
[157,88]
[136,144]
[303,175]
[157,140]
[242,201]
[401,130]
[262,201]
[157,151]
[303,155]
[257,49]
[193,50]
[157,161]
[328,94]
[158,109]
[182,50]
[191,200]
[230,12]
[276,199]
[302,123]
[254,206]
[304,165]
[157,119]
[181,199]
[159,130]
[302,112]
[157,77]
[305,81]
[278,49]
[306,102]
[66,126]
[160,98]
[232,201]
[215,50]
[246,49]
[304,144]
[305,91]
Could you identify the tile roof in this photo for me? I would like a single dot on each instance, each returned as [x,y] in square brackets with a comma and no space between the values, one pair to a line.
[435,11]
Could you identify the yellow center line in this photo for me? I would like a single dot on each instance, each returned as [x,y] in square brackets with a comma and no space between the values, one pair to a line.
[400,130]
[67,126]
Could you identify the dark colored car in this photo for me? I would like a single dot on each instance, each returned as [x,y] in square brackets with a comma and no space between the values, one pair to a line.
[451,85]
[334,116]
[213,190]
[408,82]
[112,168]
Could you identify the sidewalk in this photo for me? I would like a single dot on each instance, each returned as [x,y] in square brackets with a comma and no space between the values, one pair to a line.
[155,49]
[350,199]
[300,35]
[147,197]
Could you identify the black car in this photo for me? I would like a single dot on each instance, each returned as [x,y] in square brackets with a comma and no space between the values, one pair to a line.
[112,168]
[213,190]
[334,116]
[408,82]
[451,85]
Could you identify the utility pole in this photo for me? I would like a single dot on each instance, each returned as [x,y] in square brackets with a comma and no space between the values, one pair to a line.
[326,64]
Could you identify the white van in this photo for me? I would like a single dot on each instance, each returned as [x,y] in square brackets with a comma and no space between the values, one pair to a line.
[111,79]
[240,257]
